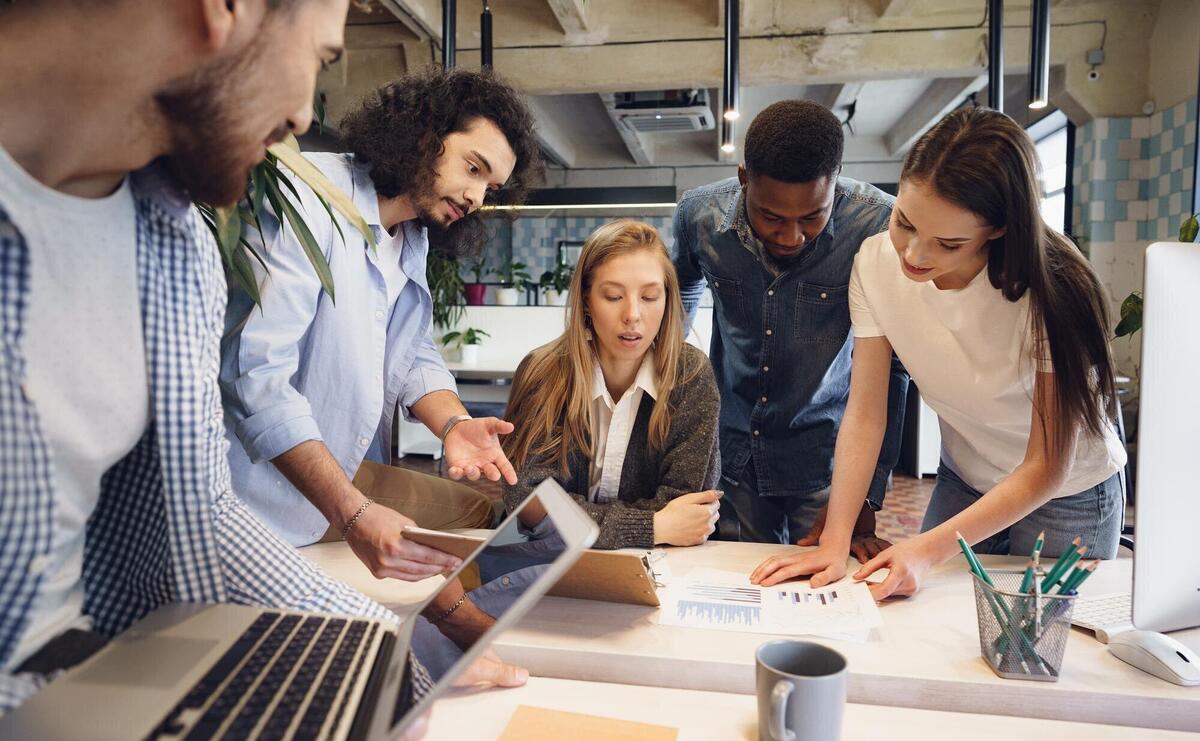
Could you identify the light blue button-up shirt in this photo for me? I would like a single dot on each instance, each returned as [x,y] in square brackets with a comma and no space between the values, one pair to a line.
[303,367]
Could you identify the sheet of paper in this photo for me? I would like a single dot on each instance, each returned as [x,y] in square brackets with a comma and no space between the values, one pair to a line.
[539,724]
[726,600]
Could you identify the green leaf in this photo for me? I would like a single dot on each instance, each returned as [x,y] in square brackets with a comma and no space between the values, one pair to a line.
[1131,315]
[245,275]
[229,230]
[1188,229]
[315,256]
[321,185]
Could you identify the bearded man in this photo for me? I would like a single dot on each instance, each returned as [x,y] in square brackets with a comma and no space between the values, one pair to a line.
[312,385]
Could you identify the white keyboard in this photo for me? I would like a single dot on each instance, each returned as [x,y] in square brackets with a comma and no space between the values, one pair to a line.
[1105,615]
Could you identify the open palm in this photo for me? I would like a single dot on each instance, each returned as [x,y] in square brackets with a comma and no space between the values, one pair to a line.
[473,448]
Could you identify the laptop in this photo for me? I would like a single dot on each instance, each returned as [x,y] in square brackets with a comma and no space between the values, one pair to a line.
[237,672]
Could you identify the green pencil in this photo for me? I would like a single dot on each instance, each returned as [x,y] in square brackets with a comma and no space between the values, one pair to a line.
[1027,579]
[973,560]
[1060,567]
[1037,552]
[1077,577]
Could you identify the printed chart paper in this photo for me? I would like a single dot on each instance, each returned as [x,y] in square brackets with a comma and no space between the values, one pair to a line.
[725,600]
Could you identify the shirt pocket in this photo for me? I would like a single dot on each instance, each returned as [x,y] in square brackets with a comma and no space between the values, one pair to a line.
[727,293]
[822,314]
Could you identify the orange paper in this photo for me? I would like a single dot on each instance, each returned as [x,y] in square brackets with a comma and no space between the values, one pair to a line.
[540,724]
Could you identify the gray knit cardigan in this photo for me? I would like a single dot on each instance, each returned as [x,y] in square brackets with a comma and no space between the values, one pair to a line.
[690,461]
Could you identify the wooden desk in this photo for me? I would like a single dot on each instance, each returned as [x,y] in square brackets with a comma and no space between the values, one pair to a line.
[712,715]
[926,654]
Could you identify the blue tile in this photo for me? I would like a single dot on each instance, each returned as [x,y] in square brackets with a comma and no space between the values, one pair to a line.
[1153,146]
[1104,190]
[1120,128]
[1108,149]
[1116,210]
[1168,117]
[1191,109]
[1176,181]
[1101,231]
[1189,154]
[1118,170]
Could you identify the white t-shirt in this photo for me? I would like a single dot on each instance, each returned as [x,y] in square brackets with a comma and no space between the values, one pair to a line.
[389,248]
[970,351]
[85,367]
[612,424]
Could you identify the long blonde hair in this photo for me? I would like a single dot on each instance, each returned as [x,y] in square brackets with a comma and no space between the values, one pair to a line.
[550,403]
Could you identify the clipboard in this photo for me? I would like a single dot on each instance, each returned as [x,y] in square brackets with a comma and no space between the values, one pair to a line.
[453,543]
[611,576]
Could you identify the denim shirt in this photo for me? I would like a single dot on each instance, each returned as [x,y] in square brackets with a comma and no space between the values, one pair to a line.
[781,344]
[305,366]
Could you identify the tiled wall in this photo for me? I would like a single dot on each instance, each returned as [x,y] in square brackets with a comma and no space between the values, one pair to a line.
[1133,176]
[1133,185]
[534,240]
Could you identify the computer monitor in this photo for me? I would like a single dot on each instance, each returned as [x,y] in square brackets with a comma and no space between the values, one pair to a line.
[1166,564]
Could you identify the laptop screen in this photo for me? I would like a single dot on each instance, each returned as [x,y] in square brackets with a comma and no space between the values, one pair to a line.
[501,578]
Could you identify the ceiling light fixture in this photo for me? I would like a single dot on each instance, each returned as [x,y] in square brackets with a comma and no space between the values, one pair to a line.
[996,54]
[1039,55]
[732,91]
[449,32]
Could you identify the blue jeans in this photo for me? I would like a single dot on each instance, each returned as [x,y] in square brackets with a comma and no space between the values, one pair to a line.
[1094,514]
[749,516]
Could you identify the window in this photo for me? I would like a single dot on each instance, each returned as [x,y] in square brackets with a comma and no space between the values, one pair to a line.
[1050,137]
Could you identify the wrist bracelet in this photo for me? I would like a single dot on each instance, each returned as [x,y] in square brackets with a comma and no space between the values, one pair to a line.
[449,612]
[451,422]
[362,508]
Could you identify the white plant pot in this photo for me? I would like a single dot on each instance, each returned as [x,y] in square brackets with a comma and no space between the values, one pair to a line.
[470,354]
[507,296]
[554,298]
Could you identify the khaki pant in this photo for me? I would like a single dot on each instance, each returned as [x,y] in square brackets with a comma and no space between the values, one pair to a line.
[432,502]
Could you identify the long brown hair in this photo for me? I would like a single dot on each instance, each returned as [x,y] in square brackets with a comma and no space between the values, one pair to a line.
[550,403]
[982,161]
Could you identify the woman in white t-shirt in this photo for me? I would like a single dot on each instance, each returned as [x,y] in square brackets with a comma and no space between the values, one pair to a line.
[1003,326]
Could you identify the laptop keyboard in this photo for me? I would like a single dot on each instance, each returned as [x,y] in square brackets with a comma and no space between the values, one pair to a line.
[1105,616]
[278,680]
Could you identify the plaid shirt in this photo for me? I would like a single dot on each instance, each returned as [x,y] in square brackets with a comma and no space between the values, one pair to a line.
[167,527]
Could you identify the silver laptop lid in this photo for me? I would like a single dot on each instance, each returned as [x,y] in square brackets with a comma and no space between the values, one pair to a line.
[562,531]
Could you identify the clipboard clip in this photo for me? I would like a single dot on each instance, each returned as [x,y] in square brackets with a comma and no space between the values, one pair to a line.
[648,560]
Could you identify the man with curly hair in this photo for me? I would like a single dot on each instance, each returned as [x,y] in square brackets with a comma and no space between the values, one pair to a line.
[312,381]
[775,245]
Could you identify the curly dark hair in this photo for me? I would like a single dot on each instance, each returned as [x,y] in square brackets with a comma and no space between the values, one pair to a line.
[399,131]
[794,141]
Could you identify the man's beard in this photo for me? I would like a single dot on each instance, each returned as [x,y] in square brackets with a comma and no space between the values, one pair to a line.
[447,239]
[206,143]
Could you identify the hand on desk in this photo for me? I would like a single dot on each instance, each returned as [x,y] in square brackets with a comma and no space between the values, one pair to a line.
[377,541]
[688,519]
[908,561]
[473,448]
[864,544]
[490,670]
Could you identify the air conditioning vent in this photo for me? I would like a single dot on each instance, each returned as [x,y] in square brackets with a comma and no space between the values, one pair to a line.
[668,123]
[664,111]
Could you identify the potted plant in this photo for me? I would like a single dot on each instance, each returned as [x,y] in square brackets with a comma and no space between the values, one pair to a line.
[515,277]
[476,290]
[554,284]
[445,288]
[467,341]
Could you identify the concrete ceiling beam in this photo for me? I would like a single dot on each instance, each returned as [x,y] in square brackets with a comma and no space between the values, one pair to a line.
[422,17]
[551,135]
[571,15]
[942,97]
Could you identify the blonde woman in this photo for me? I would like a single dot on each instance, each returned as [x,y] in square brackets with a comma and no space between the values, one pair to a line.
[619,409]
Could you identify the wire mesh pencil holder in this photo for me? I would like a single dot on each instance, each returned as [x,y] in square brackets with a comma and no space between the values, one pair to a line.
[1021,636]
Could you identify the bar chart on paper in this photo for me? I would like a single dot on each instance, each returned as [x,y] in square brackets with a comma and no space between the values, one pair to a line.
[721,600]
